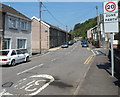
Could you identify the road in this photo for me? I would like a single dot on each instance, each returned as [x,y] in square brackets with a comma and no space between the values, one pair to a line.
[59,72]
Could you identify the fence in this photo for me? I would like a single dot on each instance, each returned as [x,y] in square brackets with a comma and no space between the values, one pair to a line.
[117,62]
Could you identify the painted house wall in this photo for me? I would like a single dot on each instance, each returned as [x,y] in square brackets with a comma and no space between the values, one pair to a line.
[18,33]
[1,29]
[36,35]
[89,33]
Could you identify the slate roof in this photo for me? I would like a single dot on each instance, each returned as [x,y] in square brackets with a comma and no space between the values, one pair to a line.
[5,8]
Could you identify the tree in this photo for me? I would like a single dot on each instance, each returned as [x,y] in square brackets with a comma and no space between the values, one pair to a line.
[80,29]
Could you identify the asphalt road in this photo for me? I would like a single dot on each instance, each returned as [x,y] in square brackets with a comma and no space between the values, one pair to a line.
[59,72]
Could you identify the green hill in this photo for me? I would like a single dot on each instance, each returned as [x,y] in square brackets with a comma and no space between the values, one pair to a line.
[80,29]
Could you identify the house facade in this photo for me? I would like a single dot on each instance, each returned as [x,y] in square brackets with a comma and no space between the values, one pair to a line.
[1,30]
[36,35]
[89,33]
[57,36]
[51,36]
[16,31]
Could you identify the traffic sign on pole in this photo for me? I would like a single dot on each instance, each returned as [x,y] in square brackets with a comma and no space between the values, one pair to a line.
[111,24]
[111,16]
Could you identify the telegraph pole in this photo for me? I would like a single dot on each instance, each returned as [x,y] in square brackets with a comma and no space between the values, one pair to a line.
[40,11]
[40,16]
[98,30]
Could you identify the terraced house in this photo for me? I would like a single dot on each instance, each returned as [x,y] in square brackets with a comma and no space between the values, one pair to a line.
[15,29]
[51,36]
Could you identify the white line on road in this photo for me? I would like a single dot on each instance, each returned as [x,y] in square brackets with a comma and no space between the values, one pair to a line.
[67,53]
[53,60]
[40,55]
[97,52]
[93,52]
[74,48]
[29,69]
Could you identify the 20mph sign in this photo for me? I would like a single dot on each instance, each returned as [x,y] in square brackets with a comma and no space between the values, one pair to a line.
[111,16]
[111,6]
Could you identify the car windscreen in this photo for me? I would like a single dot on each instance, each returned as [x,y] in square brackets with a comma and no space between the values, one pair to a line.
[65,43]
[85,43]
[4,53]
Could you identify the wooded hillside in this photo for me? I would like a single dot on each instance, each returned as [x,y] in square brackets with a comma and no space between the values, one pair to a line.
[80,29]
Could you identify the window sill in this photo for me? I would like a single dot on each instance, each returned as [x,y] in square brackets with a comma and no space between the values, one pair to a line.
[13,28]
[24,30]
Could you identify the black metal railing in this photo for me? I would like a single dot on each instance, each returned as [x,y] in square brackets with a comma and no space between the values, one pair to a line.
[117,61]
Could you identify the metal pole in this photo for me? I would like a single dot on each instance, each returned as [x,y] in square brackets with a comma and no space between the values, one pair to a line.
[112,54]
[40,5]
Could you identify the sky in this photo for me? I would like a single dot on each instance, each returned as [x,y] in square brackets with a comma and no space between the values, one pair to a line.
[63,13]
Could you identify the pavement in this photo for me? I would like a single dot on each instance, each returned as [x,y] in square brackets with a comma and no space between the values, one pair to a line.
[98,80]
[44,52]
[54,49]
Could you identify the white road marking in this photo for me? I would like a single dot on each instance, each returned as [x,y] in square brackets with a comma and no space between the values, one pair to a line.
[97,52]
[29,69]
[4,92]
[93,52]
[74,48]
[88,48]
[27,84]
[22,80]
[67,53]
[53,60]
[45,85]
[34,82]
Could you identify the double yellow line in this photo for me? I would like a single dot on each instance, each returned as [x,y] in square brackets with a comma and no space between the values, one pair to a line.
[87,61]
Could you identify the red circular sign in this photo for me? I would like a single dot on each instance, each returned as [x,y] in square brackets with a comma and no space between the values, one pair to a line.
[110,7]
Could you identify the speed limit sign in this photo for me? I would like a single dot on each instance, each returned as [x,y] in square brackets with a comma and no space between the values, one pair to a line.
[110,6]
[111,16]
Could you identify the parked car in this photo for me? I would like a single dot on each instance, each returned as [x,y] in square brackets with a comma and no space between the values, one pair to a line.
[83,41]
[85,44]
[64,45]
[70,42]
[13,56]
[74,41]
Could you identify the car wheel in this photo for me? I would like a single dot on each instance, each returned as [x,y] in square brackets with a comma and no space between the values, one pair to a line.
[27,59]
[13,63]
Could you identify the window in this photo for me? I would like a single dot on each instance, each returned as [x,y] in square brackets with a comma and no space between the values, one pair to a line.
[7,44]
[19,52]
[46,30]
[21,43]
[12,22]
[24,25]
[13,53]
[4,53]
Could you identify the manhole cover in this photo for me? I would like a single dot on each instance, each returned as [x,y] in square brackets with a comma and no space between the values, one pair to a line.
[7,84]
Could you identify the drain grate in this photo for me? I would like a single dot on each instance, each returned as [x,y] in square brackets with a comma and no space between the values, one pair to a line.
[7,84]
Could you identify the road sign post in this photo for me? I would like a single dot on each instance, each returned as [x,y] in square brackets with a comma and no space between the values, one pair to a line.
[112,53]
[111,24]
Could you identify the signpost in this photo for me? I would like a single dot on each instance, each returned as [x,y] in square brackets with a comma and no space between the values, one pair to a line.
[111,24]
